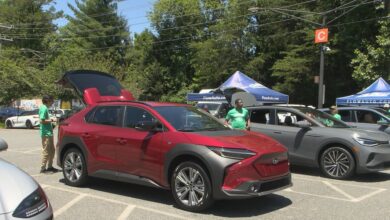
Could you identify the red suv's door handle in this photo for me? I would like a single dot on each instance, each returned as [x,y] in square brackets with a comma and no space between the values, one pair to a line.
[121,140]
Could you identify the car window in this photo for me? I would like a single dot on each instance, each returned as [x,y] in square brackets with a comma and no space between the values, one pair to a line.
[364,116]
[345,115]
[288,118]
[189,119]
[261,116]
[135,116]
[107,115]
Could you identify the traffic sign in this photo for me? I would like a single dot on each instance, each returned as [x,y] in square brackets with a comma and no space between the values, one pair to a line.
[321,35]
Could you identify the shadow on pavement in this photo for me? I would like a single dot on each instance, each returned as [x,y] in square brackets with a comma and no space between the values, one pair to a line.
[367,177]
[223,208]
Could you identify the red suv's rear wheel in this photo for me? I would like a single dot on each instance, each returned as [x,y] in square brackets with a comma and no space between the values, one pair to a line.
[74,168]
[191,187]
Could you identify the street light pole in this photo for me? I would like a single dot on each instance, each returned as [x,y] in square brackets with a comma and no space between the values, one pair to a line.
[321,81]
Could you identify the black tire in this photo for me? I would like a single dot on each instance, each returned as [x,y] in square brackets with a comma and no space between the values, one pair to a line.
[74,170]
[8,124]
[200,183]
[337,163]
[29,124]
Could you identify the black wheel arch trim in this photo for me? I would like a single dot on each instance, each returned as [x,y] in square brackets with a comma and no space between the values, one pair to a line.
[74,140]
[214,163]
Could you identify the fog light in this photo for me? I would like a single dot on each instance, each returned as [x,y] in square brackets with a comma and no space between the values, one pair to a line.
[255,188]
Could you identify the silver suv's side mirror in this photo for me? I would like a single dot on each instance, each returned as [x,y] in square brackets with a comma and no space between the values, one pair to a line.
[3,145]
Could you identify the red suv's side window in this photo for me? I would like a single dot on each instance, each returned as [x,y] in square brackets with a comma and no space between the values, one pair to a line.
[107,115]
[135,116]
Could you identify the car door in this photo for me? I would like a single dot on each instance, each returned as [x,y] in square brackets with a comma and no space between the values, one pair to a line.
[348,116]
[102,135]
[367,119]
[263,121]
[137,154]
[302,142]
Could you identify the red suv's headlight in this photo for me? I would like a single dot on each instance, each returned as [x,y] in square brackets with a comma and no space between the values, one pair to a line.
[233,153]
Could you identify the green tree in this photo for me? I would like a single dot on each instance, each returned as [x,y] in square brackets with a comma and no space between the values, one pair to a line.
[373,61]
[97,27]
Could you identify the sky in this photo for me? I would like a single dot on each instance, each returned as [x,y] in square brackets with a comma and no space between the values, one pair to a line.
[135,11]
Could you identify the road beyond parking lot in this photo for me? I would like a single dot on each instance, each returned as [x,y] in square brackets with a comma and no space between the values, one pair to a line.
[311,197]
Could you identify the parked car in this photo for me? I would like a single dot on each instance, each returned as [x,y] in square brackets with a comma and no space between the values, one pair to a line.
[316,139]
[164,145]
[27,119]
[374,118]
[59,113]
[21,196]
[9,112]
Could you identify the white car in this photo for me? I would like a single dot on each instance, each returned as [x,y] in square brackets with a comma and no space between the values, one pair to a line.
[21,197]
[27,119]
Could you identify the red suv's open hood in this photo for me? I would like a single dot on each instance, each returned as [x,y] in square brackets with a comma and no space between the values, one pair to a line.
[94,86]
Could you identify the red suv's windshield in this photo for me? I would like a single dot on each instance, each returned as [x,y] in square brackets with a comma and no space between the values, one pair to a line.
[186,118]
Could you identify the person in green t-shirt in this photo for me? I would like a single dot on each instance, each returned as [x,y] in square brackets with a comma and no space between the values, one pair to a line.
[46,132]
[334,112]
[238,116]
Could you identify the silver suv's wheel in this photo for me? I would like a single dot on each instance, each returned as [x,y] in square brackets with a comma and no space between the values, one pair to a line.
[74,168]
[191,187]
[337,163]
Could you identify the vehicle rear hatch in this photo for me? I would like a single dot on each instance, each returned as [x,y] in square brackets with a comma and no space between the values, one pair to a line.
[94,86]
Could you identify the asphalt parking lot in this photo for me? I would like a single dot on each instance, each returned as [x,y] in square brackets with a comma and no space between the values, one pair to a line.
[311,197]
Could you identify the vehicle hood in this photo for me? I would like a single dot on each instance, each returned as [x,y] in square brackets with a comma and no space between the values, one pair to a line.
[15,185]
[94,86]
[237,139]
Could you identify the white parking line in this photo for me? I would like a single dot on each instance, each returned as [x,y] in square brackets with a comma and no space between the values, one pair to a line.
[315,195]
[114,201]
[339,183]
[68,205]
[369,195]
[126,212]
[339,190]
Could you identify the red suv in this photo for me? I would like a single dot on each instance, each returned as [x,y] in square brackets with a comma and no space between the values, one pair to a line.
[164,145]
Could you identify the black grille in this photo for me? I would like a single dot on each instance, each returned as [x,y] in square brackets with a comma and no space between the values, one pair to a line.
[271,185]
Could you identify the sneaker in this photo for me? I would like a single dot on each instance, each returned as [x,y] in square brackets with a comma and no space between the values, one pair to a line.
[43,170]
[52,169]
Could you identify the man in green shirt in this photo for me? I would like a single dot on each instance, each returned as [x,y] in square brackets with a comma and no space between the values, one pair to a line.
[238,117]
[46,132]
[334,112]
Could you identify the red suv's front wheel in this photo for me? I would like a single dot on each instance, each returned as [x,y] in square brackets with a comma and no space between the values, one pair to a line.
[191,187]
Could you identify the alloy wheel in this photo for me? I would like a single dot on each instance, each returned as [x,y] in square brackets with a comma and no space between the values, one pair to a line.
[336,163]
[190,186]
[73,167]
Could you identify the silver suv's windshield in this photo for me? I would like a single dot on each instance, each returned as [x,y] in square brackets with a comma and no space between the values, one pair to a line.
[188,119]
[322,118]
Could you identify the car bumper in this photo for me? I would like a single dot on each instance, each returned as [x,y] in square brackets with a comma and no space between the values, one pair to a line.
[259,187]
[374,159]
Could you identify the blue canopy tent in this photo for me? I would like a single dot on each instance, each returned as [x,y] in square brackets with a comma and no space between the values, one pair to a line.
[196,97]
[262,94]
[376,94]
[240,81]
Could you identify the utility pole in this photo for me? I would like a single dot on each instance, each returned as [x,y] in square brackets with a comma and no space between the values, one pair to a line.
[321,81]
